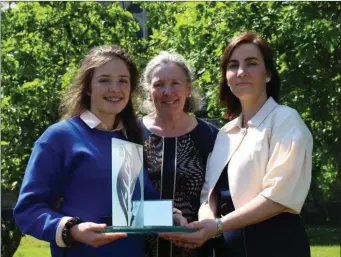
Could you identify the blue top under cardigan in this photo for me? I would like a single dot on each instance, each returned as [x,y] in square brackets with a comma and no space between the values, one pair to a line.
[74,161]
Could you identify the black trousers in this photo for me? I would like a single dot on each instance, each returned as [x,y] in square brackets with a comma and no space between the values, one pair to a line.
[281,236]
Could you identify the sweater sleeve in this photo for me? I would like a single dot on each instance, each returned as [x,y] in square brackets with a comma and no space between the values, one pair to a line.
[33,213]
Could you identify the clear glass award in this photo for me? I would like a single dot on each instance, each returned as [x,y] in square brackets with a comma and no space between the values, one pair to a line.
[131,213]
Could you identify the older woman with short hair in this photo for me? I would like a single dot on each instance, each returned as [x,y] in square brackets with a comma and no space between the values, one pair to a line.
[176,144]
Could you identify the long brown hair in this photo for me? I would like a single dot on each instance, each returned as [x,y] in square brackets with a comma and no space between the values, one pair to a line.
[227,98]
[75,100]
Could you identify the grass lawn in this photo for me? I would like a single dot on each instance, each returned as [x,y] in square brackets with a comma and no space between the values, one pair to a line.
[31,247]
[325,242]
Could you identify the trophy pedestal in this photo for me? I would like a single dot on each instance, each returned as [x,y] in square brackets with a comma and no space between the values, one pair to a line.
[147,230]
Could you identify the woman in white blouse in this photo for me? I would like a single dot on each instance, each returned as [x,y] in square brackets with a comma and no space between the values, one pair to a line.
[259,172]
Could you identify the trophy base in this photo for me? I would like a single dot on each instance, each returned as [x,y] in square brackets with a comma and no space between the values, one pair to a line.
[146,229]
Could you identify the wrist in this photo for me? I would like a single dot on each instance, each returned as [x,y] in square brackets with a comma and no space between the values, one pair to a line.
[66,233]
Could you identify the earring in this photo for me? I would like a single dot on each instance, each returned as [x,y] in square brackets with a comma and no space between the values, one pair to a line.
[267,79]
[189,96]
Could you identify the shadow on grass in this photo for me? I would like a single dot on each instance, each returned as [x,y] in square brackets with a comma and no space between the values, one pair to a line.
[324,235]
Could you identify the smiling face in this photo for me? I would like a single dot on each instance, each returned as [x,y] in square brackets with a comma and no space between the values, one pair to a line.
[246,73]
[110,89]
[169,89]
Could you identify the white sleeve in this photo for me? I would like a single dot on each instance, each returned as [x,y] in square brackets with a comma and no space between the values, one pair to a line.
[61,225]
[288,174]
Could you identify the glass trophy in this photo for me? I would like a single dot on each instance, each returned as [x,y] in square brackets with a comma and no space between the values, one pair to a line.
[131,213]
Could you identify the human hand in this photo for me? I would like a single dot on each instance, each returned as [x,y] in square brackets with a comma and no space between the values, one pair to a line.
[206,230]
[179,220]
[86,233]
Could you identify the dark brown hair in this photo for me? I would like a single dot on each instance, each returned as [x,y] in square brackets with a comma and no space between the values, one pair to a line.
[75,100]
[227,98]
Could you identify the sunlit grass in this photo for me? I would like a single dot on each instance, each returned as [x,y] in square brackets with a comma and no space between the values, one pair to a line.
[325,251]
[31,247]
[325,242]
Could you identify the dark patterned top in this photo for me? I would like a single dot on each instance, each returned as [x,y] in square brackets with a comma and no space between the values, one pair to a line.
[191,152]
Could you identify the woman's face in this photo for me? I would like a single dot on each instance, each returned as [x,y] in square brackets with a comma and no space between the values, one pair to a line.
[246,73]
[110,88]
[169,89]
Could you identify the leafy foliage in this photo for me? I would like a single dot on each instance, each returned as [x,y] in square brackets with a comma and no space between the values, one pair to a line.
[44,42]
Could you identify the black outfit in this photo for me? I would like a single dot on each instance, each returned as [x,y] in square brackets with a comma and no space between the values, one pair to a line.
[280,236]
[176,166]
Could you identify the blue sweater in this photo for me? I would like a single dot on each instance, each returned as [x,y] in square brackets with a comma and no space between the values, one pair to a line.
[74,161]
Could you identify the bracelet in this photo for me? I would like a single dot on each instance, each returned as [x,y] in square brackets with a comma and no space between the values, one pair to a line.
[66,233]
[219,227]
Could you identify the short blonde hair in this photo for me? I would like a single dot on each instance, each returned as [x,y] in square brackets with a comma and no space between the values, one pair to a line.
[192,103]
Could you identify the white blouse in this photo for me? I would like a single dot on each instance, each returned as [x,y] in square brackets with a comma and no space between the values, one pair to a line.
[271,158]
